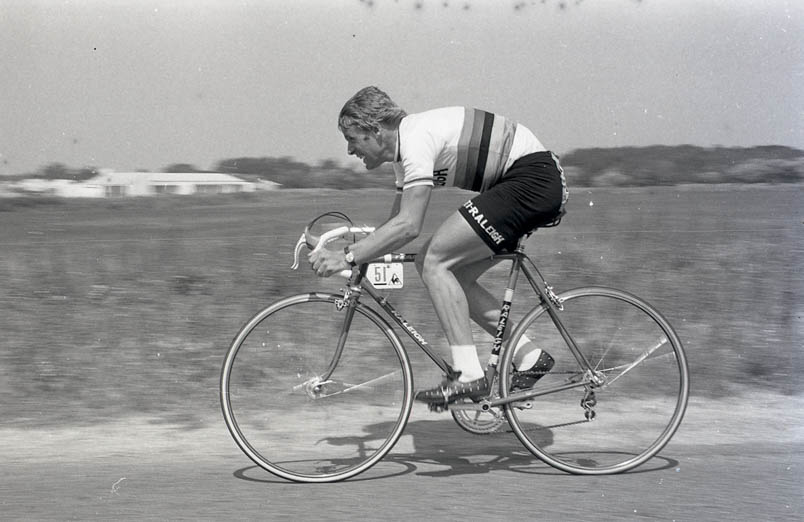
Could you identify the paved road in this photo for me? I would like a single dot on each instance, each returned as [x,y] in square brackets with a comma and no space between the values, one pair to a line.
[731,460]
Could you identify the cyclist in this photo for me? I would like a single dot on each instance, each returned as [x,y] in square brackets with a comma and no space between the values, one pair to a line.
[521,187]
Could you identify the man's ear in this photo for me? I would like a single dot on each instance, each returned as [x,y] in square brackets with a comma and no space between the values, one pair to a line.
[380,134]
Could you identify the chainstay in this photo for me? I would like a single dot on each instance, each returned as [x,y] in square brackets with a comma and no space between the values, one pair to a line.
[501,431]
[508,430]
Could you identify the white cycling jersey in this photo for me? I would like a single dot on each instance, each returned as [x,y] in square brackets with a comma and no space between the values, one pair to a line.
[459,147]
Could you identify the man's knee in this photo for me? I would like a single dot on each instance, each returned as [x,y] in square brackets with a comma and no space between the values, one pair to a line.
[431,266]
[419,262]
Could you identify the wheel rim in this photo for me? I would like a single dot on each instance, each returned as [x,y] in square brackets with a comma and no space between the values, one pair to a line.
[639,409]
[307,430]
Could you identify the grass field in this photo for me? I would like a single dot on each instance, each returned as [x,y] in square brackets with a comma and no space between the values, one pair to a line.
[126,307]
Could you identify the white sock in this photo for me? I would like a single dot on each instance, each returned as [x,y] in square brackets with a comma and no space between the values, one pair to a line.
[464,358]
[525,359]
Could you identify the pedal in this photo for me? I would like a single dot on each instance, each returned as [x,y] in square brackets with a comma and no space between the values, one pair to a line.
[437,407]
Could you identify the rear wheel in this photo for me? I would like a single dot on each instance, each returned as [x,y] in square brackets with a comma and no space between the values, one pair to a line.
[300,410]
[623,412]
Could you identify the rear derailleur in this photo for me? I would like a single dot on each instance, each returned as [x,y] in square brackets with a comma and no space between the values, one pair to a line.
[588,403]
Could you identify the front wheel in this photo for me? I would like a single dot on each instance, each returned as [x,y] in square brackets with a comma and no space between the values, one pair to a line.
[622,412]
[304,410]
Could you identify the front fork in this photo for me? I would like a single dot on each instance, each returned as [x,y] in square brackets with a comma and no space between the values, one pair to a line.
[348,303]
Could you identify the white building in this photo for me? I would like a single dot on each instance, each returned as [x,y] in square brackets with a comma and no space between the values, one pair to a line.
[54,187]
[122,184]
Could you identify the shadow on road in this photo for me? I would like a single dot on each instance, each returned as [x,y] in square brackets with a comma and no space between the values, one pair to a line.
[442,449]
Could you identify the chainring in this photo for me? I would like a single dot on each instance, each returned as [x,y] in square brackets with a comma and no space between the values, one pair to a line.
[477,421]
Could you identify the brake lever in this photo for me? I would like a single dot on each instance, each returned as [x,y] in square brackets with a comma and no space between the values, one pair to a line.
[302,242]
[324,239]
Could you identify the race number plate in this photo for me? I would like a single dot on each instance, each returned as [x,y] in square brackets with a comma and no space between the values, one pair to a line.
[385,275]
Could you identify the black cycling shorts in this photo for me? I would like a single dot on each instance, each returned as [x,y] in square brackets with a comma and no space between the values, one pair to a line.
[530,194]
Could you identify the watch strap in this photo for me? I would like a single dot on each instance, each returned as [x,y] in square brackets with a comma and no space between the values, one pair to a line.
[350,257]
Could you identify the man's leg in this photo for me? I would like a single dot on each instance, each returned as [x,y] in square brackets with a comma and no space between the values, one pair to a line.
[454,245]
[484,309]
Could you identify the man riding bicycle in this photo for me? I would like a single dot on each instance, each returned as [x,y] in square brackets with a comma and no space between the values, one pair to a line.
[521,187]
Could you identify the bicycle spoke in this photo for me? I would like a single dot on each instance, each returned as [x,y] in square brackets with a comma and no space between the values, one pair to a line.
[363,385]
[614,340]
[599,427]
[645,355]
[272,385]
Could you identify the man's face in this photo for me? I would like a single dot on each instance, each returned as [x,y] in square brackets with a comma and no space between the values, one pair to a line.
[365,146]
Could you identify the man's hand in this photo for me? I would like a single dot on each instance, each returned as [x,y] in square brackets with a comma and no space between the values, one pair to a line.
[327,262]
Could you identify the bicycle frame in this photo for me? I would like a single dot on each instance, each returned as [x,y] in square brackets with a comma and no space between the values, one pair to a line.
[280,374]
[357,285]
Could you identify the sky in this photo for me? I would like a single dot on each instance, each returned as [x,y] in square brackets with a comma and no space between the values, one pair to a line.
[142,84]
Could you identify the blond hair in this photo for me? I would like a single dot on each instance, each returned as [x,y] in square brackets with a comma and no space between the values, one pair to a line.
[369,109]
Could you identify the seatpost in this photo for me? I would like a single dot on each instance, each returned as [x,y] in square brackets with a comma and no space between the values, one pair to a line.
[520,245]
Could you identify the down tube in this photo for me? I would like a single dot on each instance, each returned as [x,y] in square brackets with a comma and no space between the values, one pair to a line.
[408,328]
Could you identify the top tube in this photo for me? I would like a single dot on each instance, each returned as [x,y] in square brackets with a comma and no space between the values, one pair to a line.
[393,258]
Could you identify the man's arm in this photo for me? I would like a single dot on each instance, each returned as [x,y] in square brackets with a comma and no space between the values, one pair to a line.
[397,203]
[402,228]
[404,225]
[394,207]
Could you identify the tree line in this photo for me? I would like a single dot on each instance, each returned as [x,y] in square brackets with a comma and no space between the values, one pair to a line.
[593,167]
[675,165]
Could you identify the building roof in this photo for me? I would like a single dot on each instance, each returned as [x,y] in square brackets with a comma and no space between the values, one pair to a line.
[128,178]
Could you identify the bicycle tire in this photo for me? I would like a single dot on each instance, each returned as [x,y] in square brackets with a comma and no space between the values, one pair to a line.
[627,420]
[305,430]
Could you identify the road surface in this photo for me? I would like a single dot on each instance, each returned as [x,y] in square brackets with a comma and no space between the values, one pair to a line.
[736,459]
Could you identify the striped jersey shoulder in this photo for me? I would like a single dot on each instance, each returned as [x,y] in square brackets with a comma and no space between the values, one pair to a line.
[483,149]
[454,146]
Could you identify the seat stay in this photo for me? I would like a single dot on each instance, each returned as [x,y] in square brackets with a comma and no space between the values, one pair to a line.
[539,286]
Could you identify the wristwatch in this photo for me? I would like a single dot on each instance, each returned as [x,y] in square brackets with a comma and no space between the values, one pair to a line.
[350,257]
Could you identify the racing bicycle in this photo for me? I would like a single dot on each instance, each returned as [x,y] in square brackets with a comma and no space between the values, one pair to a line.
[318,387]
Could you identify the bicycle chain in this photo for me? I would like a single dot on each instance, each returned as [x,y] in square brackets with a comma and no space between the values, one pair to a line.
[534,430]
[588,403]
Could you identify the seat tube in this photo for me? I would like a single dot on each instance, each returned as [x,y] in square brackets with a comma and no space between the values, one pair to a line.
[505,309]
